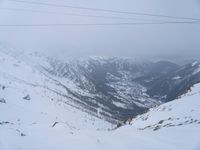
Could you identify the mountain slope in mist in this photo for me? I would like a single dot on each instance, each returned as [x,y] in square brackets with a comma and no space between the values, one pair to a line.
[30,120]
[114,89]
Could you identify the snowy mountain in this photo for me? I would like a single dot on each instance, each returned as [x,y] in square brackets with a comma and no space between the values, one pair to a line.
[30,119]
[32,104]
[27,93]
[175,83]
[113,89]
[104,84]
[47,103]
[123,88]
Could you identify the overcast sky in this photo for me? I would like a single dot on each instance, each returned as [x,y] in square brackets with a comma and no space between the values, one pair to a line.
[166,40]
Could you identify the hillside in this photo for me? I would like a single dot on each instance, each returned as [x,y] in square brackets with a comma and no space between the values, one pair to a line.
[40,124]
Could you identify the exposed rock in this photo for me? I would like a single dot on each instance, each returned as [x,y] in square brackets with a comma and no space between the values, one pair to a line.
[161,121]
[22,134]
[157,128]
[2,100]
[3,87]
[27,97]
[54,124]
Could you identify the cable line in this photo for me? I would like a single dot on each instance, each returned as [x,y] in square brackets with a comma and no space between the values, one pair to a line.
[93,24]
[105,10]
[75,14]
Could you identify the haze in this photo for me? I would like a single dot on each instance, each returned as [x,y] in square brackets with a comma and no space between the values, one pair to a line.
[160,40]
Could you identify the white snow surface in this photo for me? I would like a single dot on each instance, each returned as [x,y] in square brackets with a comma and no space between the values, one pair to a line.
[176,78]
[43,123]
[197,70]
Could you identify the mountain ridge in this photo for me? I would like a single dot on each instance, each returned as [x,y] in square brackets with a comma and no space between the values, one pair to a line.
[110,88]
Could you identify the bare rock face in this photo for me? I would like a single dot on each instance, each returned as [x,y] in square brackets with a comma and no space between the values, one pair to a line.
[2,100]
[27,97]
[3,87]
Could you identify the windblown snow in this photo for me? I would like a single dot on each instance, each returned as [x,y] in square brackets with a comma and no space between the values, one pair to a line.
[33,118]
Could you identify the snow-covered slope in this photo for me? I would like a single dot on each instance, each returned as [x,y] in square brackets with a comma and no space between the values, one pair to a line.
[110,88]
[43,107]
[181,112]
[174,125]
[122,88]
[104,84]
[99,86]
[32,104]
[39,124]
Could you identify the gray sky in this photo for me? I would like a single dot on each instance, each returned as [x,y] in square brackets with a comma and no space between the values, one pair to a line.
[168,40]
